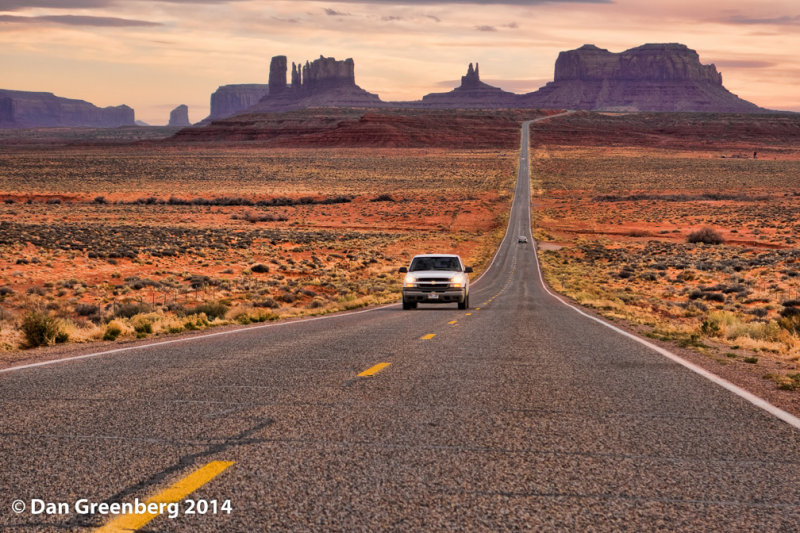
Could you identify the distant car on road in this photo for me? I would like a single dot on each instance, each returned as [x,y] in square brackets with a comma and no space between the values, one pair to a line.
[434,279]
[522,238]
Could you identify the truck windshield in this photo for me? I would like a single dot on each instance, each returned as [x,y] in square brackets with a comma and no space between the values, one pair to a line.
[435,263]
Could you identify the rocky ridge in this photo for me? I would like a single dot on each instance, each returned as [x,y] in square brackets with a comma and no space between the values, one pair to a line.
[24,109]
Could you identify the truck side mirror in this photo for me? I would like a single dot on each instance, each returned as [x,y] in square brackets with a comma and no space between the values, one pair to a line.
[468,270]
[402,270]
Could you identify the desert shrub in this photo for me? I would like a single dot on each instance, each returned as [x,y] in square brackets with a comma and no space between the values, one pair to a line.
[6,291]
[42,329]
[100,200]
[790,322]
[383,198]
[86,309]
[113,330]
[211,310]
[259,268]
[130,309]
[265,302]
[706,236]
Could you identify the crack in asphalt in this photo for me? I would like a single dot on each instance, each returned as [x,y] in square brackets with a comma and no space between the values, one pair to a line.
[180,465]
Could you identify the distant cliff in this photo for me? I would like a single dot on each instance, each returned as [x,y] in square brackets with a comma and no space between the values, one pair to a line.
[22,109]
[228,100]
[652,77]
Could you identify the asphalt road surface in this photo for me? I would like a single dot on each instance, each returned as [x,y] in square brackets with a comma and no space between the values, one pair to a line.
[518,414]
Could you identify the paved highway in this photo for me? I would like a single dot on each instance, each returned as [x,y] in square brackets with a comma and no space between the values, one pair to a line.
[517,414]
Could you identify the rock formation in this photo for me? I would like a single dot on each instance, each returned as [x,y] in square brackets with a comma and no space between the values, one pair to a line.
[228,100]
[322,82]
[179,117]
[472,93]
[23,109]
[652,77]
[277,75]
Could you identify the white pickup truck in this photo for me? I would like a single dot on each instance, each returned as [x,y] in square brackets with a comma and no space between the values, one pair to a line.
[435,279]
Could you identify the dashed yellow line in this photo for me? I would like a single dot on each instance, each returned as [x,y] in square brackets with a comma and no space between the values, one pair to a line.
[373,370]
[177,492]
[468,314]
[452,322]
[428,337]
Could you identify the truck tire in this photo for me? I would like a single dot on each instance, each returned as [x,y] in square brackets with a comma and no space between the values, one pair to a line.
[409,305]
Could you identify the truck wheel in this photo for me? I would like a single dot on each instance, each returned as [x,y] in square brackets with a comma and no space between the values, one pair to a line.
[409,305]
[465,303]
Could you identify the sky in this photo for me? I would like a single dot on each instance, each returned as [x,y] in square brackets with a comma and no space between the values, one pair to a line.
[154,55]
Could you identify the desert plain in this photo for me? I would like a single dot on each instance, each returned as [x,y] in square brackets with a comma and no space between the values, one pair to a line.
[684,227]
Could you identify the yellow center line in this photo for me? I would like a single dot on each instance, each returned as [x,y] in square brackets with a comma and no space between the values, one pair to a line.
[452,322]
[428,337]
[373,370]
[468,314]
[477,308]
[177,492]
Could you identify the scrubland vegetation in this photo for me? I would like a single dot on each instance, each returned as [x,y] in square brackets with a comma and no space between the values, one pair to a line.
[119,244]
[699,246]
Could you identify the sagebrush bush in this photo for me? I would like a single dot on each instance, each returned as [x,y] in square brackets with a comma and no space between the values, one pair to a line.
[41,329]
[706,236]
[212,310]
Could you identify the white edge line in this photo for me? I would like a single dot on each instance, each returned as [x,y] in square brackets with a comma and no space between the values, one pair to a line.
[192,338]
[724,383]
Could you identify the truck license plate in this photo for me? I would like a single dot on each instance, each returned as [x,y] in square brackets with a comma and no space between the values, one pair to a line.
[433,296]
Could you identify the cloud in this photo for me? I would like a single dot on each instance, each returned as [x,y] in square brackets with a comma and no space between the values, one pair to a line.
[775,21]
[743,63]
[333,13]
[79,20]
[434,18]
[479,2]
[14,5]
[485,28]
[391,18]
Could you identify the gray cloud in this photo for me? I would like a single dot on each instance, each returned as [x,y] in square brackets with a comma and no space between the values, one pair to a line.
[79,20]
[391,18]
[485,28]
[479,2]
[743,63]
[14,5]
[778,21]
[333,13]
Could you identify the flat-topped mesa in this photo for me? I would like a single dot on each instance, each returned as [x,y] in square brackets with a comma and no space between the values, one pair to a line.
[25,109]
[228,100]
[649,62]
[651,77]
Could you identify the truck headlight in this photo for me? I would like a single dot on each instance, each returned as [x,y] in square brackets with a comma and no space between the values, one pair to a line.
[456,282]
[409,282]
